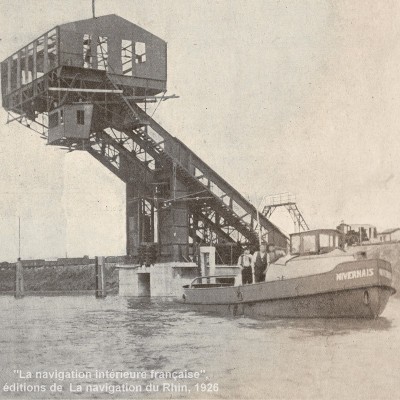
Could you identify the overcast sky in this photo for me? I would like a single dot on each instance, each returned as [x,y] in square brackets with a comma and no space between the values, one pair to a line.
[276,96]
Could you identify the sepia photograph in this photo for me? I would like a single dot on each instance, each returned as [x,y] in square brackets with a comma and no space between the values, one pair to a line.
[199,199]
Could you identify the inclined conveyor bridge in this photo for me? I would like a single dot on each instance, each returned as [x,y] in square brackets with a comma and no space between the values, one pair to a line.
[86,85]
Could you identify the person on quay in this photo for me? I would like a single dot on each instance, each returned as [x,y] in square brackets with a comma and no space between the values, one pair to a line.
[244,262]
[259,263]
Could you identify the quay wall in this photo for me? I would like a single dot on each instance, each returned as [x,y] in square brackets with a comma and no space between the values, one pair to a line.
[59,278]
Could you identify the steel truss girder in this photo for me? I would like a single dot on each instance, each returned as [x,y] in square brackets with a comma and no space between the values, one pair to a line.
[248,230]
[293,211]
[194,184]
[222,235]
[107,163]
[109,148]
[115,145]
[228,215]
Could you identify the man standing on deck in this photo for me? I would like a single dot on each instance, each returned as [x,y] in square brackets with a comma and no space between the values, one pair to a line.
[259,263]
[244,262]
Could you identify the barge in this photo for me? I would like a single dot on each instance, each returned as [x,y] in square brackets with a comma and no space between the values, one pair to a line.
[317,279]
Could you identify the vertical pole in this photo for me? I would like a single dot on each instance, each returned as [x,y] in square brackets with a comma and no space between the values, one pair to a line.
[202,262]
[211,262]
[99,268]
[19,238]
[96,273]
[258,221]
[102,269]
[19,280]
[259,227]
[96,277]
[94,8]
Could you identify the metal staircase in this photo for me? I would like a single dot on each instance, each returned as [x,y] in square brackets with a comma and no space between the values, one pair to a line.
[288,201]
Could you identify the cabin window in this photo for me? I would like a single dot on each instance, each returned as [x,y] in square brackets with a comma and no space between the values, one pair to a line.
[309,245]
[80,117]
[295,245]
[53,120]
[26,64]
[24,73]
[102,53]
[325,240]
[140,52]
[29,61]
[4,77]
[52,49]
[40,57]
[87,51]
[127,57]
[14,68]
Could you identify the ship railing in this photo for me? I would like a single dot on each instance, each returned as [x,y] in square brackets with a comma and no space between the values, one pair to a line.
[212,281]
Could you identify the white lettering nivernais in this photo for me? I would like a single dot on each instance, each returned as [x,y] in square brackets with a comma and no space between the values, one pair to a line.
[359,273]
[383,272]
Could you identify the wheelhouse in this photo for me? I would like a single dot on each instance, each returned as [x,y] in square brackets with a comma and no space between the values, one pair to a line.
[318,241]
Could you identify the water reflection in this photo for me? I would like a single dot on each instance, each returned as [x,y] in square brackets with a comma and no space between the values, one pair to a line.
[323,327]
[276,358]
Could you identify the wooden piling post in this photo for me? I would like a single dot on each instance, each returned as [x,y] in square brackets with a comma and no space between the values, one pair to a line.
[100,277]
[19,280]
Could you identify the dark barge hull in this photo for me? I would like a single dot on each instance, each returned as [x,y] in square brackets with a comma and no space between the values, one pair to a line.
[356,303]
[325,295]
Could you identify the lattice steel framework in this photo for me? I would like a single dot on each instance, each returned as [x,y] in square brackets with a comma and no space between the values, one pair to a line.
[288,201]
[173,197]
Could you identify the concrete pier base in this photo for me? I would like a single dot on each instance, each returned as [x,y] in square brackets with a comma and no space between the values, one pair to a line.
[167,279]
[164,279]
[129,280]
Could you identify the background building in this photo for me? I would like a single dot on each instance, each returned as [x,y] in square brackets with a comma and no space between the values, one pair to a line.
[357,233]
[389,235]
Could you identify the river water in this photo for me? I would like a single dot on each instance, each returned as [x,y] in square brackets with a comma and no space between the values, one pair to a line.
[236,358]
